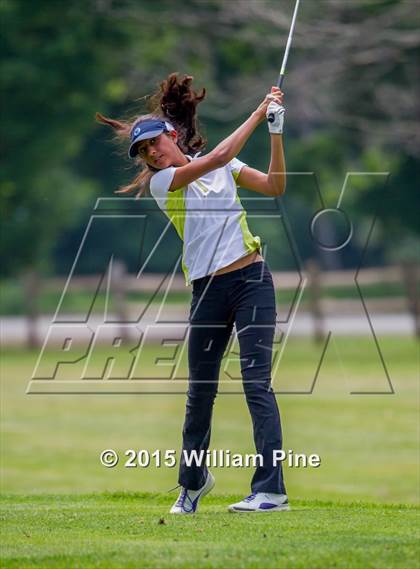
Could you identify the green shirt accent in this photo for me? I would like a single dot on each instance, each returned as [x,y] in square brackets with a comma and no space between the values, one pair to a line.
[175,205]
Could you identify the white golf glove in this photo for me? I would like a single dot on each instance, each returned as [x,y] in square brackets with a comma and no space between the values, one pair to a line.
[275,117]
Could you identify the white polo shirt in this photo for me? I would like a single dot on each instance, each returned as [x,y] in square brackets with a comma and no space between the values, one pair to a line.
[209,218]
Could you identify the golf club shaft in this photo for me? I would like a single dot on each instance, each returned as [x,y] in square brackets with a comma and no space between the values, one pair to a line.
[288,44]
[286,54]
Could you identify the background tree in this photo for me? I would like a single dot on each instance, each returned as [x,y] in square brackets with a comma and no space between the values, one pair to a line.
[350,93]
[60,61]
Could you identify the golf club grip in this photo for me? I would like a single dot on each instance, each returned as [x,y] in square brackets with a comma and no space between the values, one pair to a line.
[270,117]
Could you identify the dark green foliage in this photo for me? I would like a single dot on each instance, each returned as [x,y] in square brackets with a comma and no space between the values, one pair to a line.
[350,96]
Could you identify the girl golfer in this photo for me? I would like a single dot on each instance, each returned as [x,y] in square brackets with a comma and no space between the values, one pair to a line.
[231,282]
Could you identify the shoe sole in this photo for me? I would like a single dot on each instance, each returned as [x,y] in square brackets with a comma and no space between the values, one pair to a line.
[281,508]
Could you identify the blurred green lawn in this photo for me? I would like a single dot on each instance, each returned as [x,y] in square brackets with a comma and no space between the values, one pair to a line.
[368,443]
[13,299]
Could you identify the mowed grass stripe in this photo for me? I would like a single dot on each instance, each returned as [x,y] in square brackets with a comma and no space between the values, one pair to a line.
[135,530]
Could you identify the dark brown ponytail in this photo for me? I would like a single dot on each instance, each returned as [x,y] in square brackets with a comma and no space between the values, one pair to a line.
[178,102]
[175,101]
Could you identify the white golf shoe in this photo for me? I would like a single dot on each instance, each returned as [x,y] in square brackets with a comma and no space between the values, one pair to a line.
[188,499]
[261,502]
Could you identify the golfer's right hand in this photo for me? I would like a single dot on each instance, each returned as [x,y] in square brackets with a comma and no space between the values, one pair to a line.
[276,95]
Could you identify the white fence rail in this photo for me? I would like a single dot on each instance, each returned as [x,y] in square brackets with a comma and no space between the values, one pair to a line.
[318,307]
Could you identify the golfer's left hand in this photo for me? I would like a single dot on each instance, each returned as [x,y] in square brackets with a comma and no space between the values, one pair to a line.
[275,118]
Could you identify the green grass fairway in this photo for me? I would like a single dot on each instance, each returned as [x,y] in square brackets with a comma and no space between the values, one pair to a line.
[135,531]
[368,443]
[62,508]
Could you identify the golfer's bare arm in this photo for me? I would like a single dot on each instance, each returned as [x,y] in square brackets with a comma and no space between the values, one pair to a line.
[274,182]
[223,153]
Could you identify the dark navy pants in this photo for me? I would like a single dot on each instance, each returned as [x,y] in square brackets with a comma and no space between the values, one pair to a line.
[244,297]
